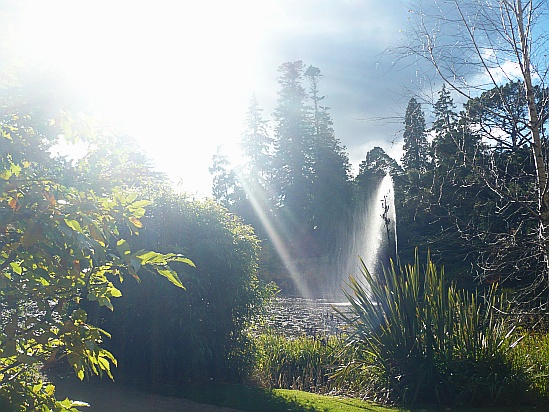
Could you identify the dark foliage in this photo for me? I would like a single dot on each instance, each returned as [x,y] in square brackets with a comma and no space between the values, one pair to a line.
[171,335]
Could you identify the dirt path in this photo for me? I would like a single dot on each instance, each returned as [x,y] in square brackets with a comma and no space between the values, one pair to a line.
[111,397]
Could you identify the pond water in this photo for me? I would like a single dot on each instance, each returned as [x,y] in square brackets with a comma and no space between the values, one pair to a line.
[293,317]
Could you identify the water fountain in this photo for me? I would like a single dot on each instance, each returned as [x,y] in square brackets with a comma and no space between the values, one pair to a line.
[374,236]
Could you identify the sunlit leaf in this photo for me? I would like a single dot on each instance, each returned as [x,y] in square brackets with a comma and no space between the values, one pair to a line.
[36,388]
[16,267]
[171,275]
[140,204]
[50,389]
[123,247]
[136,222]
[74,225]
[15,169]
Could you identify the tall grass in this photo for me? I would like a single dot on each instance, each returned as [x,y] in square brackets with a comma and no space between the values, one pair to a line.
[303,363]
[416,339]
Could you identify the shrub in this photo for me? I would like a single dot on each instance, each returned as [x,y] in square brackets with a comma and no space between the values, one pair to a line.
[196,334]
[415,339]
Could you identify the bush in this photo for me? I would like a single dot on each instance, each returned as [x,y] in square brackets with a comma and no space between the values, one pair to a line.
[415,339]
[171,335]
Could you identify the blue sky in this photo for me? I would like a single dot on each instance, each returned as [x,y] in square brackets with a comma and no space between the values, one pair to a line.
[178,76]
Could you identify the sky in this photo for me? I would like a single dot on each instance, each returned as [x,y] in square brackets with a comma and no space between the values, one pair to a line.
[178,76]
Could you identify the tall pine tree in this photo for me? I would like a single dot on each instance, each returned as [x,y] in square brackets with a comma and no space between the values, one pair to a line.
[331,190]
[416,147]
[256,143]
[293,158]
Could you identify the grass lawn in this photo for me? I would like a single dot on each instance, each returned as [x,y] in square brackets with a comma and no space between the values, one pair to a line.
[253,399]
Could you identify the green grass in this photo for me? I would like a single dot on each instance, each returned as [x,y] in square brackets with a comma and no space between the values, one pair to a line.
[253,399]
[532,355]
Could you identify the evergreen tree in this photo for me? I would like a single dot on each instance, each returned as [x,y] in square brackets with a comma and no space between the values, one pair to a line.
[331,190]
[255,176]
[444,127]
[293,158]
[225,186]
[416,147]
[256,143]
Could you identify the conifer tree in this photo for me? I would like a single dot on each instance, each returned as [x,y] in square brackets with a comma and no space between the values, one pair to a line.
[416,147]
[256,142]
[224,182]
[331,191]
[293,159]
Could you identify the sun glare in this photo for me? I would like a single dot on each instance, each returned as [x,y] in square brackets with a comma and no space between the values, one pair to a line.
[176,76]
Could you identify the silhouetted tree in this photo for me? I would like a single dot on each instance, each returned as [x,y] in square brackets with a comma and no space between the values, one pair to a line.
[331,190]
[416,147]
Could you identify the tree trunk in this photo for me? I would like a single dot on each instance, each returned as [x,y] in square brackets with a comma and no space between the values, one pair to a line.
[536,144]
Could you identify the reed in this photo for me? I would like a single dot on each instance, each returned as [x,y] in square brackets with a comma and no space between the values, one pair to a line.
[302,363]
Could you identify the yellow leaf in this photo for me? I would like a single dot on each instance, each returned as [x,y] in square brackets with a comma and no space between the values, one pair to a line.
[136,222]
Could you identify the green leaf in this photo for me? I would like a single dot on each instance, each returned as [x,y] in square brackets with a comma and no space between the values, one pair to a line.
[74,225]
[15,169]
[140,204]
[50,389]
[152,258]
[104,301]
[114,292]
[171,275]
[36,388]
[123,247]
[16,267]
[96,234]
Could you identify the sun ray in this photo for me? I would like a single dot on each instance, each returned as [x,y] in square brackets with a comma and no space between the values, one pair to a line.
[259,204]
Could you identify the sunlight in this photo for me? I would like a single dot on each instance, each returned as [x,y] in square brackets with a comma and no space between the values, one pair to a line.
[176,76]
[261,208]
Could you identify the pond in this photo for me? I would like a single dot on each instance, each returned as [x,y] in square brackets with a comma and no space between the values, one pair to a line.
[293,317]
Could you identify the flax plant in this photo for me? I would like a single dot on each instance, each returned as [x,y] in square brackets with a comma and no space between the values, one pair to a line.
[417,339]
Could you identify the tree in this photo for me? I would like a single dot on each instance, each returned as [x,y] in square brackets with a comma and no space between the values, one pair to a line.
[444,127]
[455,192]
[499,42]
[255,177]
[416,147]
[225,186]
[60,245]
[293,159]
[331,190]
[256,143]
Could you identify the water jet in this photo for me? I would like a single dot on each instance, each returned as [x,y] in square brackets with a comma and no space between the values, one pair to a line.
[373,237]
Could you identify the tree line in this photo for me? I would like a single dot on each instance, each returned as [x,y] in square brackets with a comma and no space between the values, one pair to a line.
[465,184]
